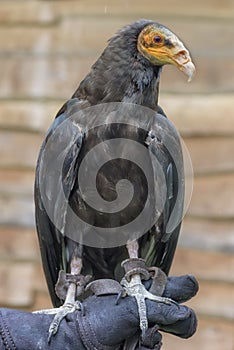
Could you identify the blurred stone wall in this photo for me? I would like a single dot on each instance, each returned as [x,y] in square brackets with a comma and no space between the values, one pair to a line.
[46,47]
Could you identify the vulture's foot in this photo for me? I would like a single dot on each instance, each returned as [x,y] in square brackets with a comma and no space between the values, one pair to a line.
[60,313]
[68,287]
[136,271]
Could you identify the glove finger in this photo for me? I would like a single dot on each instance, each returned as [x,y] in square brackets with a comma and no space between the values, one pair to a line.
[181,288]
[166,314]
[183,328]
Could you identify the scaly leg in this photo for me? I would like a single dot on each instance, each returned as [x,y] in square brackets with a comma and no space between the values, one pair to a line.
[75,288]
[136,270]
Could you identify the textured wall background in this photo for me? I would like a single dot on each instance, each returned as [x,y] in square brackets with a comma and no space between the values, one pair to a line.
[46,47]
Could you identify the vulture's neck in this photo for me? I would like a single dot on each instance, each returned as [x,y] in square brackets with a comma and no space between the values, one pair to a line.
[123,75]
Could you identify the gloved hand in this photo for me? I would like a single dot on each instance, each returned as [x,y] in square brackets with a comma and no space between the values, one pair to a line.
[104,325]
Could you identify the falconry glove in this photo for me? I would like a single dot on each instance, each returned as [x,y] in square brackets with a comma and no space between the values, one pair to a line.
[104,325]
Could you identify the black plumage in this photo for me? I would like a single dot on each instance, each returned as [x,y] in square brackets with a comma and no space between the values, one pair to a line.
[123,73]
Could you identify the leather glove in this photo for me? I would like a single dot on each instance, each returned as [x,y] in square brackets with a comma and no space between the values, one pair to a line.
[104,325]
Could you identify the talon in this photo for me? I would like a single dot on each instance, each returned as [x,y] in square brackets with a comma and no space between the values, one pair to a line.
[81,308]
[52,330]
[49,337]
[119,296]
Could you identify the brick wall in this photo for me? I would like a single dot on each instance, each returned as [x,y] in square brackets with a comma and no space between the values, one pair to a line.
[46,47]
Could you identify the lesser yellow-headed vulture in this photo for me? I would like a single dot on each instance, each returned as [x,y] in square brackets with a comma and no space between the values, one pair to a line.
[122,88]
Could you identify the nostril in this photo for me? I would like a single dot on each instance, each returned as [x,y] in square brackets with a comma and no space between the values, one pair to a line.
[183,54]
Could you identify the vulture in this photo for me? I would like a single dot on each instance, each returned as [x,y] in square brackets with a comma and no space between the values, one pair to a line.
[112,137]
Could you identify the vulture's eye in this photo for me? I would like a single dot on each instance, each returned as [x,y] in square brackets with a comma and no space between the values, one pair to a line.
[157,39]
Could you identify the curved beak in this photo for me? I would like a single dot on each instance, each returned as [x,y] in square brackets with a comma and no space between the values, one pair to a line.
[183,61]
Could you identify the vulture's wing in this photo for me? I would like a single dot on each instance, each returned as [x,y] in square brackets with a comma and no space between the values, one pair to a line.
[159,244]
[52,190]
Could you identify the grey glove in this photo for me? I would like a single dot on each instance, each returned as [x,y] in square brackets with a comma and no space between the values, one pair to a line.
[104,325]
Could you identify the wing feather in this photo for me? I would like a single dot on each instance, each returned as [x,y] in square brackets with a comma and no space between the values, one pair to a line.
[162,238]
[51,200]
